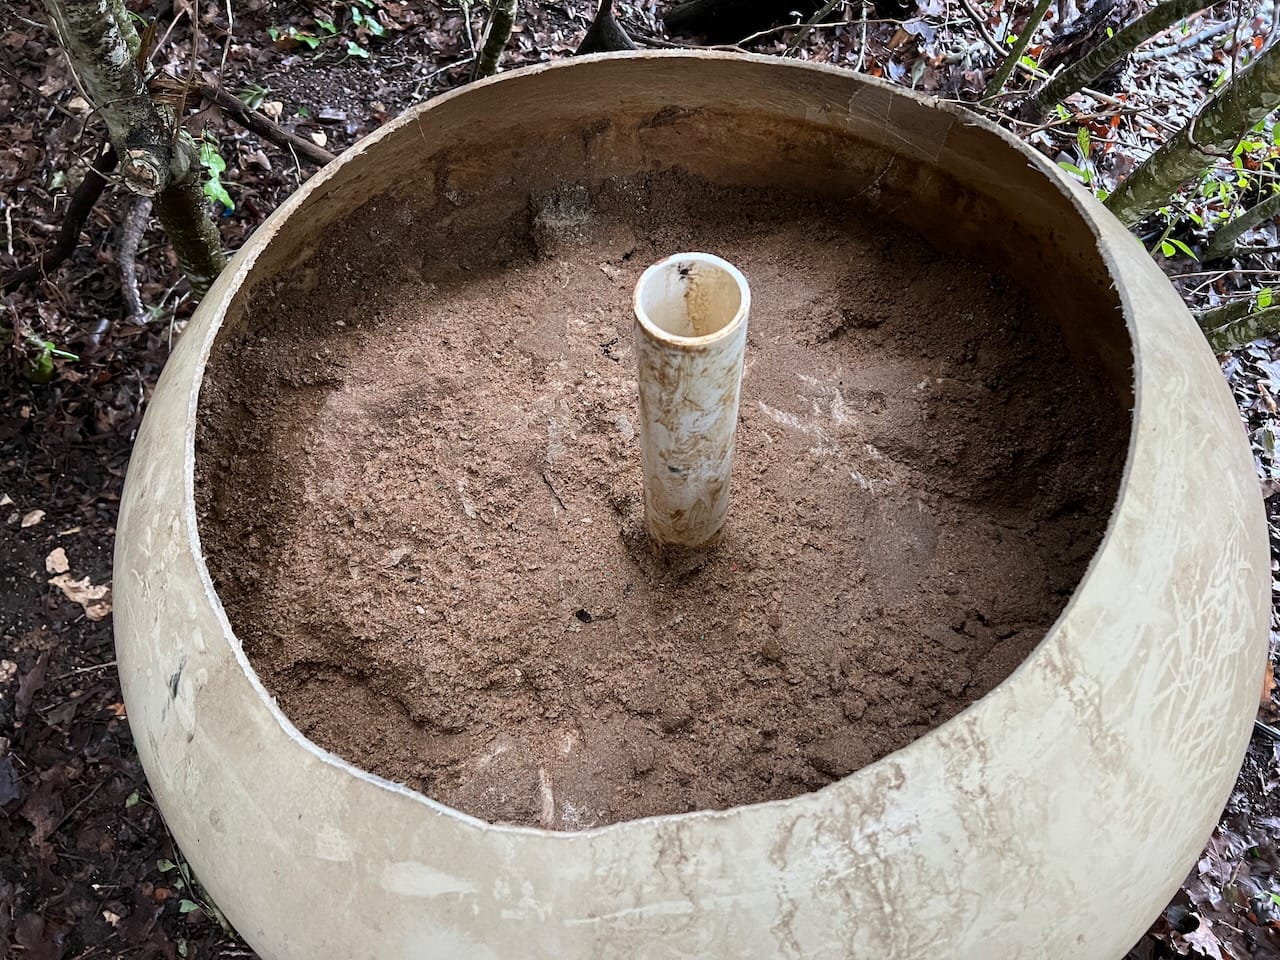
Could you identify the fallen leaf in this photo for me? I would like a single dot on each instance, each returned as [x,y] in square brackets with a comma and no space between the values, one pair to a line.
[319,138]
[96,600]
[29,685]
[56,562]
[32,518]
[38,940]
[10,785]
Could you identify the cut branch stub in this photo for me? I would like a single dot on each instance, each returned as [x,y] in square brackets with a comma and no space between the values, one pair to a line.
[157,157]
[102,45]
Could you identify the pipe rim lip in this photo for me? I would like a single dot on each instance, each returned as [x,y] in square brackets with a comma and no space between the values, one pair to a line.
[693,343]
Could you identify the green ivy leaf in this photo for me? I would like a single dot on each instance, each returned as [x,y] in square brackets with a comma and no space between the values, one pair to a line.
[1084,176]
[1167,248]
[165,865]
[40,369]
[187,906]
[1264,298]
[214,166]
[355,50]
[1184,248]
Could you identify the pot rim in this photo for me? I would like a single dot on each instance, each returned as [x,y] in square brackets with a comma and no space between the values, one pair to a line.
[242,264]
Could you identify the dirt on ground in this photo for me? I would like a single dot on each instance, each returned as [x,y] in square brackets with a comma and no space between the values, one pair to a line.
[422,504]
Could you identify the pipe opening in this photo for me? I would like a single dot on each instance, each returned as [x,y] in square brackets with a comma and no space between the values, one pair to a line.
[691,296]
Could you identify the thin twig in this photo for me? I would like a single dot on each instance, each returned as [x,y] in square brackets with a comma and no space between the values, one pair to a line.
[862,42]
[445,69]
[996,86]
[239,111]
[79,670]
[82,201]
[1242,250]
[981,25]
[809,24]
[31,88]
[226,47]
[74,810]
[1268,729]
[501,21]
[1155,53]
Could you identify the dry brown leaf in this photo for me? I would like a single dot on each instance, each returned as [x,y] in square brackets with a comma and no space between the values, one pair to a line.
[56,561]
[32,518]
[96,600]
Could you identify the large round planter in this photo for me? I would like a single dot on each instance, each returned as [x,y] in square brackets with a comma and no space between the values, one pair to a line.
[1053,818]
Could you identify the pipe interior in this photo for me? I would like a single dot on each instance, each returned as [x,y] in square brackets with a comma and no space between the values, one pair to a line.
[691,295]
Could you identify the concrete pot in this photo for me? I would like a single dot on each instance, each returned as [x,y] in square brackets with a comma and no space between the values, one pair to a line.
[1054,818]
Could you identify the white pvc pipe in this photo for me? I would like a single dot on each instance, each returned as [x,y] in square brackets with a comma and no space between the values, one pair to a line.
[691,328]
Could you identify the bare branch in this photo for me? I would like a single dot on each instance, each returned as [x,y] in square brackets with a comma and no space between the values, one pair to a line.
[501,20]
[1214,131]
[1237,333]
[135,225]
[997,83]
[1223,241]
[82,202]
[1096,62]
[256,122]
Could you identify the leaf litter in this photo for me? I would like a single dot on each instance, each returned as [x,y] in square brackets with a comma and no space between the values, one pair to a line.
[88,886]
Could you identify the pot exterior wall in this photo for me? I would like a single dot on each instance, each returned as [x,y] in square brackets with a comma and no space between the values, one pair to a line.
[1052,819]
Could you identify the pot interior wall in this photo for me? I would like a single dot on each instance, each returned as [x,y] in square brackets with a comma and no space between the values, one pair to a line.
[960,185]
[451,196]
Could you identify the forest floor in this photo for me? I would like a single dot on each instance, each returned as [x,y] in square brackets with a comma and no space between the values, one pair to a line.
[87,868]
